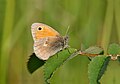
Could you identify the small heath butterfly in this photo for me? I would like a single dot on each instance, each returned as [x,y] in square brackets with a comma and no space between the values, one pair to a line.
[47,41]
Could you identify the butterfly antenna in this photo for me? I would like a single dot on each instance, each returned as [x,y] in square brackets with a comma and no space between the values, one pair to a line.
[67,31]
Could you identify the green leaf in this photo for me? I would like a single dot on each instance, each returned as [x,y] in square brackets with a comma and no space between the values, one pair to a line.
[94,50]
[114,49]
[54,62]
[118,58]
[97,68]
[103,68]
[34,63]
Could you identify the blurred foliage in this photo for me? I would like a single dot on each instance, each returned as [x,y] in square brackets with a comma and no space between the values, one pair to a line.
[92,22]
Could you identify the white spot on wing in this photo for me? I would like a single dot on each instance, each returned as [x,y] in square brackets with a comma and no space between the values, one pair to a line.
[45,44]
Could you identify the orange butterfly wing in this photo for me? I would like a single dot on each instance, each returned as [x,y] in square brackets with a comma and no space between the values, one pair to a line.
[46,31]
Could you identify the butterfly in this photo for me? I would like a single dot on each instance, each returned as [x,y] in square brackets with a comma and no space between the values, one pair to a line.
[47,41]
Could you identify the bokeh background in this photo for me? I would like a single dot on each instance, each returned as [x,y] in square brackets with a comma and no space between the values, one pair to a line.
[91,22]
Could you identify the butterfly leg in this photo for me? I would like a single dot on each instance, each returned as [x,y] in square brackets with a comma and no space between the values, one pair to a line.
[57,55]
[68,51]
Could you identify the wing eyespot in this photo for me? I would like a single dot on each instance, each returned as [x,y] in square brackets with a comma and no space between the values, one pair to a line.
[39,28]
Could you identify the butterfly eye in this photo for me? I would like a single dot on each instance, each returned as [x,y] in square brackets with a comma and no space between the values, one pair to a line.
[39,28]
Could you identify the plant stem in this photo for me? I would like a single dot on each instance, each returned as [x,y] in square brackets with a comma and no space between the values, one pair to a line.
[107,26]
[7,29]
[117,17]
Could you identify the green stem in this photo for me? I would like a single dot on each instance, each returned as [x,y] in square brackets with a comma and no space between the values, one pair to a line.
[107,26]
[117,17]
[6,41]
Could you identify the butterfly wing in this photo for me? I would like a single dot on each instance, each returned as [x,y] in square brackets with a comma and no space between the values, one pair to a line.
[46,47]
[40,30]
[47,41]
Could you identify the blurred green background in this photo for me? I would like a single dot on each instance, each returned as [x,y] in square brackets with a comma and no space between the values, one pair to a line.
[91,22]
